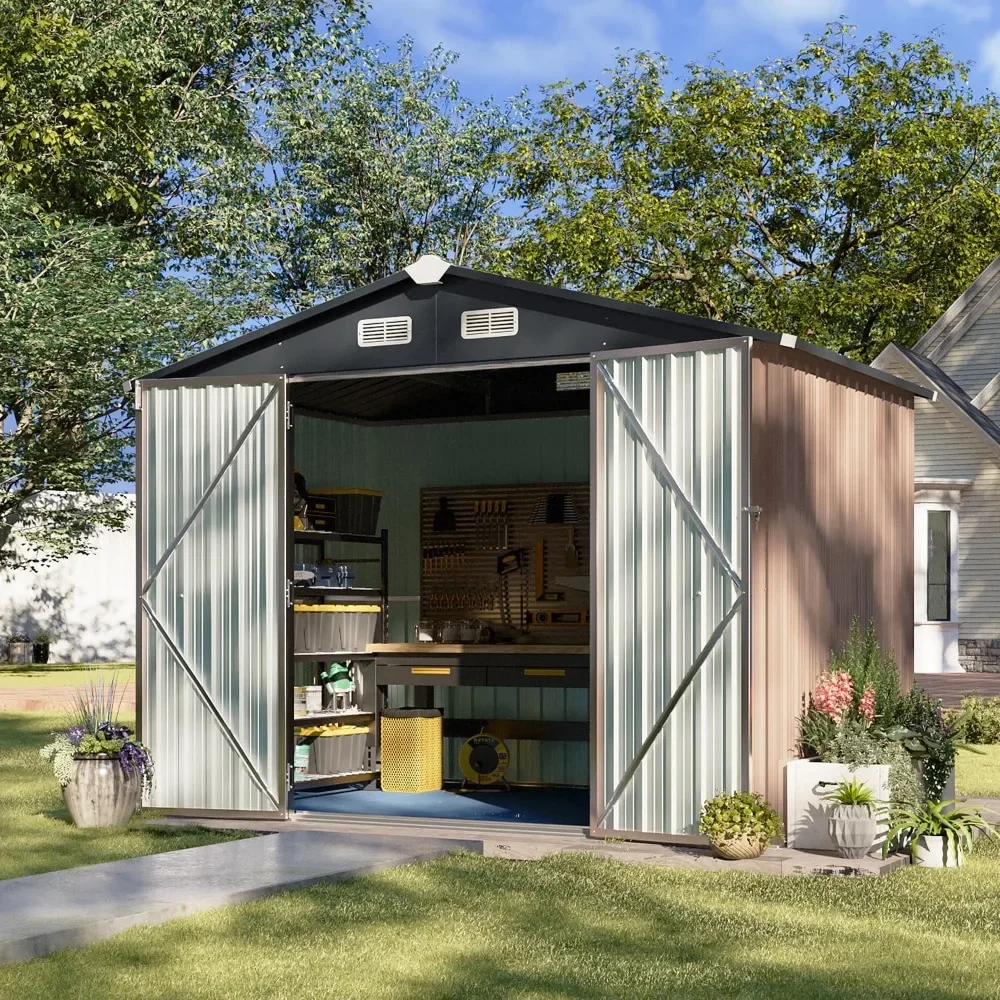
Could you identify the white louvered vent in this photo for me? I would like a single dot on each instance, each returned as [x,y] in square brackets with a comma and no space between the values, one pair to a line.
[386,331]
[480,323]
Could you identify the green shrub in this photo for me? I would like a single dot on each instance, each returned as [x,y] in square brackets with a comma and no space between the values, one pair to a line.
[857,746]
[977,721]
[929,737]
[739,814]
[869,666]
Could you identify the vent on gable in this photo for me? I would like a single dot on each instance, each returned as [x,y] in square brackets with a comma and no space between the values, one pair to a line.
[386,331]
[480,323]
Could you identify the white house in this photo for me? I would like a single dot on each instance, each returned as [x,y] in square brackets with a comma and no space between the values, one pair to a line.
[957,489]
[86,601]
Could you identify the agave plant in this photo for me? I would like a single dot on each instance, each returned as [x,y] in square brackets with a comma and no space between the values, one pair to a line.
[851,792]
[958,826]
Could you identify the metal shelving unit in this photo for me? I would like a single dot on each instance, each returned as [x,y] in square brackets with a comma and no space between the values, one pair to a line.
[365,661]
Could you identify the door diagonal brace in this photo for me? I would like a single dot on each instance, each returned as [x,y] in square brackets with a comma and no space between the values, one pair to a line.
[675,698]
[209,704]
[660,466]
[226,463]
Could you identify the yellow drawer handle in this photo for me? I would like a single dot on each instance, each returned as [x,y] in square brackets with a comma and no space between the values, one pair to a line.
[440,671]
[543,672]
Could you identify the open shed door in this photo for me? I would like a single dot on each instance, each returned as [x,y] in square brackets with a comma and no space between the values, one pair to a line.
[212,569]
[669,639]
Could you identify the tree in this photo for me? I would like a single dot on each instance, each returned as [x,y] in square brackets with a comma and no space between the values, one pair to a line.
[359,168]
[848,194]
[83,307]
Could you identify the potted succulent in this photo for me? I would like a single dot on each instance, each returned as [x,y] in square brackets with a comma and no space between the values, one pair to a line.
[19,648]
[40,647]
[853,823]
[102,768]
[738,825]
[938,835]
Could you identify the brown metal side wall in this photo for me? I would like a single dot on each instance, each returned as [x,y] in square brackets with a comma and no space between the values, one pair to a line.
[831,466]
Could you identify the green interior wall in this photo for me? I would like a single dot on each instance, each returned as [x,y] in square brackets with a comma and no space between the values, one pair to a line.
[399,461]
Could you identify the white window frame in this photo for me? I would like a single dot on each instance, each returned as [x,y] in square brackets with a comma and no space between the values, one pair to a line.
[920,511]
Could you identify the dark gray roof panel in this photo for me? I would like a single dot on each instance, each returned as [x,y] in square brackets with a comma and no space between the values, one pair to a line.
[952,390]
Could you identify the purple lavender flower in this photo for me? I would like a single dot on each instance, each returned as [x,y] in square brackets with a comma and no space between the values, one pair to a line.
[114,731]
[74,734]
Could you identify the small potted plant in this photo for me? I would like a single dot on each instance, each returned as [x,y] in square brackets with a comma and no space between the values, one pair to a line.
[853,823]
[19,648]
[40,647]
[738,825]
[102,768]
[938,836]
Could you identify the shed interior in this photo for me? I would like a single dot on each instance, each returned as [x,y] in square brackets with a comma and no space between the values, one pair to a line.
[481,546]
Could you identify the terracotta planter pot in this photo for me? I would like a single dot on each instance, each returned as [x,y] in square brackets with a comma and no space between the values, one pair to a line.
[935,852]
[853,830]
[19,652]
[738,848]
[99,792]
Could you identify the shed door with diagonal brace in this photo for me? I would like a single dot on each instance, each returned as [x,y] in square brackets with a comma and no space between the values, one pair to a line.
[212,609]
[669,609]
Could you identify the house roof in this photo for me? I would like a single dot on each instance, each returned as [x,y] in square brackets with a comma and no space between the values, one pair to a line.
[961,314]
[949,388]
[555,323]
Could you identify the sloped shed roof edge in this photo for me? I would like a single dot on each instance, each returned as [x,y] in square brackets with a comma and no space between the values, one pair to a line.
[712,329]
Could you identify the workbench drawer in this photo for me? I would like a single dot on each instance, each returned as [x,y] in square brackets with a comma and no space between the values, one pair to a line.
[429,673]
[539,676]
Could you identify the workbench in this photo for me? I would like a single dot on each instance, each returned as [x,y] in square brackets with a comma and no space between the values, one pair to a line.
[426,665]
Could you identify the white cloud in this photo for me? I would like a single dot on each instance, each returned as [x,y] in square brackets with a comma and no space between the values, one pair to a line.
[541,40]
[960,10]
[784,19]
[989,56]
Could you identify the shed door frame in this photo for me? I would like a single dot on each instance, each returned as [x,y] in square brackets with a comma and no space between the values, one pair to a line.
[602,799]
[276,398]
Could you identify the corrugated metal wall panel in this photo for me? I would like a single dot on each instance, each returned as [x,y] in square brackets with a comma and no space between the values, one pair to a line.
[399,460]
[832,469]
[662,591]
[219,597]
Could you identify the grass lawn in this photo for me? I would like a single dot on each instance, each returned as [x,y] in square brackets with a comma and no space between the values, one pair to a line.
[62,674]
[35,832]
[978,773]
[571,926]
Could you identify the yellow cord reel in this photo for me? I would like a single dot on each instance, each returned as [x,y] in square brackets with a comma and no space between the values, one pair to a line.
[483,760]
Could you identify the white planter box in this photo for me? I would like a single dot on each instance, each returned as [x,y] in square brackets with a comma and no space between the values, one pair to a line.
[807,815]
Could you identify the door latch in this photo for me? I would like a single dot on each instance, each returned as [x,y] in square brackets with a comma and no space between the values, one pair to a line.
[753,511]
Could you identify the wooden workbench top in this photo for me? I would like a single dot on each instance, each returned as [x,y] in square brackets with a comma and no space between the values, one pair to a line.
[457,648]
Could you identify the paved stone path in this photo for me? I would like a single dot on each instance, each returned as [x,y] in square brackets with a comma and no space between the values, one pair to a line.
[40,913]
[56,698]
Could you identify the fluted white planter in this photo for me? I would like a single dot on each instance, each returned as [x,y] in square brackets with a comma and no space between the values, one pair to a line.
[100,793]
[853,830]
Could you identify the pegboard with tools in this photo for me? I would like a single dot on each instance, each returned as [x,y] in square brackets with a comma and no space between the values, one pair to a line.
[516,558]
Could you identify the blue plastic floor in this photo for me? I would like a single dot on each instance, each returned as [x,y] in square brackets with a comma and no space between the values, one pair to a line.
[519,805]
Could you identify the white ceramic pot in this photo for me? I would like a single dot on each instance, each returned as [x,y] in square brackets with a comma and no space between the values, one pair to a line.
[100,793]
[936,852]
[853,830]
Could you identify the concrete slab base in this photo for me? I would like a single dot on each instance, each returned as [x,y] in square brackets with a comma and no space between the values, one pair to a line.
[41,913]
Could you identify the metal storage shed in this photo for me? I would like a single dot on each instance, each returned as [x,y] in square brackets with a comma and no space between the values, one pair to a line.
[749,494]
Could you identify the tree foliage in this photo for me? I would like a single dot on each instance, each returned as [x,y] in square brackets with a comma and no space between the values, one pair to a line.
[847,194]
[363,163]
[84,306]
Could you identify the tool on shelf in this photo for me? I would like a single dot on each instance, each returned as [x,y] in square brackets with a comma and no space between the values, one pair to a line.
[571,557]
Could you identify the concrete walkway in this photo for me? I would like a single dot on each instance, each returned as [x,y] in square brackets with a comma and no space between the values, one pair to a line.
[40,913]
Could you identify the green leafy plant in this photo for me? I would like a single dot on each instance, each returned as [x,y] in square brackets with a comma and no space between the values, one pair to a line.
[43,636]
[851,792]
[958,825]
[869,666]
[858,746]
[733,815]
[929,736]
[94,730]
[18,637]
[977,720]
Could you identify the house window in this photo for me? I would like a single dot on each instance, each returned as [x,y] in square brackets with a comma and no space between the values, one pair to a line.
[938,565]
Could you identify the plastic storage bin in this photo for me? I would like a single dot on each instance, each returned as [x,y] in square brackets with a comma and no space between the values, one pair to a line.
[351,510]
[339,750]
[412,750]
[328,628]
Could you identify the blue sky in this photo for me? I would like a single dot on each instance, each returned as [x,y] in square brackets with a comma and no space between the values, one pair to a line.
[509,44]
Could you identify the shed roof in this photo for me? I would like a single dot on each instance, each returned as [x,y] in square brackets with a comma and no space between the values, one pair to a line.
[553,323]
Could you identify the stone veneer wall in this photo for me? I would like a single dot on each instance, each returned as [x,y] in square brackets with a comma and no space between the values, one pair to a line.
[980,656]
